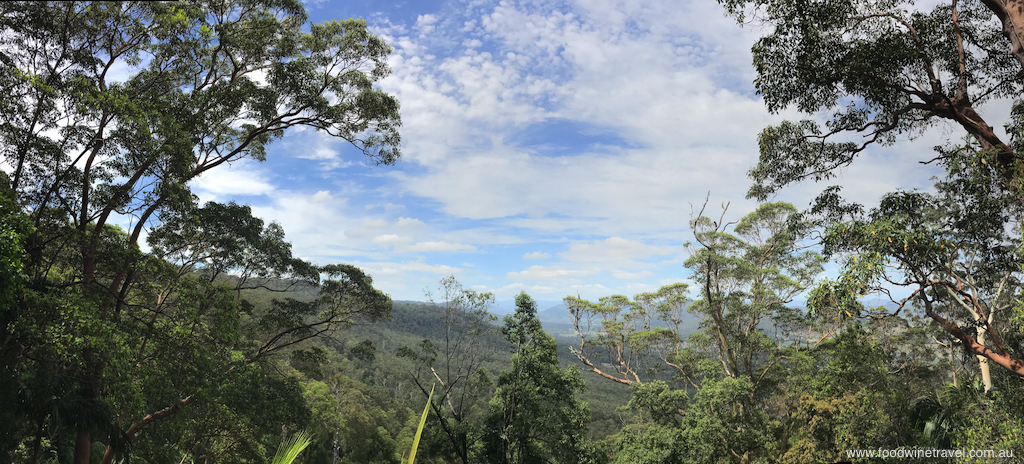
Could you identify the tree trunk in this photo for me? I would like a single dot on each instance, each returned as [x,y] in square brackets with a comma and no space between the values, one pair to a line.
[1006,361]
[1011,15]
[986,375]
[83,443]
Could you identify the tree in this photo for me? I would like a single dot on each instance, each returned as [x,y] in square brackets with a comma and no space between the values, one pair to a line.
[210,83]
[457,364]
[535,413]
[840,396]
[878,70]
[748,277]
[726,377]
[744,279]
[14,228]
[956,253]
[627,350]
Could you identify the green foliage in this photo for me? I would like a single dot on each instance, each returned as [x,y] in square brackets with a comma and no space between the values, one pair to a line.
[290,450]
[14,228]
[102,340]
[457,361]
[880,70]
[955,252]
[419,429]
[535,413]
[875,70]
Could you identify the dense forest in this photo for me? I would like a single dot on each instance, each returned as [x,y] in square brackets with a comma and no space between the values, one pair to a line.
[194,334]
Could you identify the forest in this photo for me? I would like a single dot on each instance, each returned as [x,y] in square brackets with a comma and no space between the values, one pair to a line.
[195,335]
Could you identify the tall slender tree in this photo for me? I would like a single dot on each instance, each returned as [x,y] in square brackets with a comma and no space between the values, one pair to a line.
[536,414]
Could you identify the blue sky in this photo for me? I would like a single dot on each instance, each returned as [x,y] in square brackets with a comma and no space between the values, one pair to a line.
[553,147]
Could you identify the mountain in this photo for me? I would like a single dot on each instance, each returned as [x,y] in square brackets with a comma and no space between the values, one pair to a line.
[558,314]
[501,308]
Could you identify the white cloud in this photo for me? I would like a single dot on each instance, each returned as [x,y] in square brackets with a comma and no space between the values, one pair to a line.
[408,222]
[614,250]
[671,80]
[318,146]
[385,206]
[373,223]
[441,246]
[623,275]
[390,239]
[397,268]
[661,89]
[548,272]
[425,23]
[240,178]
[514,288]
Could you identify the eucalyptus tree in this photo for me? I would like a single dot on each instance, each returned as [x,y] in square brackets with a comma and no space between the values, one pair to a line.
[744,278]
[456,362]
[726,375]
[110,111]
[953,256]
[878,70]
[750,276]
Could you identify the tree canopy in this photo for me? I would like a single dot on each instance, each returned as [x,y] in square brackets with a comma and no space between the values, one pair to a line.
[109,111]
[876,71]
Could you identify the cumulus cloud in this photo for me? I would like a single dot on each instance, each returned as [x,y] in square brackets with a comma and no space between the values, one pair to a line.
[390,239]
[516,287]
[656,108]
[395,268]
[323,148]
[670,81]
[408,222]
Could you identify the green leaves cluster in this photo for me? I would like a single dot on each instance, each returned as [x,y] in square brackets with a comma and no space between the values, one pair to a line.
[102,340]
[536,414]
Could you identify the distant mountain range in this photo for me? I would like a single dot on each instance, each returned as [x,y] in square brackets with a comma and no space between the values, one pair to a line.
[555,312]
[554,315]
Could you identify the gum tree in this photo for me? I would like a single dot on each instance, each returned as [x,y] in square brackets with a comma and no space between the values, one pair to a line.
[456,364]
[110,111]
[745,276]
[875,71]
[727,375]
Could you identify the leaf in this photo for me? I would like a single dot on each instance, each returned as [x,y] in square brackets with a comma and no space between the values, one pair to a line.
[419,430]
[290,450]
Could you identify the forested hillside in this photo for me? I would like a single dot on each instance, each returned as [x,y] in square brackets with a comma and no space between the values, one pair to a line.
[140,324]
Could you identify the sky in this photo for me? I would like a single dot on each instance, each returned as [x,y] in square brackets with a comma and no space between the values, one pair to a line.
[558,148]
